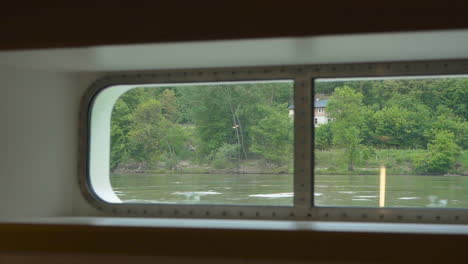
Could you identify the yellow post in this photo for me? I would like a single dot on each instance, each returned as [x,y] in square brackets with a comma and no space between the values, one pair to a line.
[383,180]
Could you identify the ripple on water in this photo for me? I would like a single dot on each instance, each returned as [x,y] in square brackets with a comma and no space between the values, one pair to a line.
[272,195]
[409,198]
[196,193]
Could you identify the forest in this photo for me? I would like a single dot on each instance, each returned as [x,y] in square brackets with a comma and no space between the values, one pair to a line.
[413,126]
[231,127]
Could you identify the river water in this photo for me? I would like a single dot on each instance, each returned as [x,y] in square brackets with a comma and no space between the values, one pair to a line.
[277,189]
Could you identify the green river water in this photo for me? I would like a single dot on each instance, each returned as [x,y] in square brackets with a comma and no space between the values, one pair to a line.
[277,189]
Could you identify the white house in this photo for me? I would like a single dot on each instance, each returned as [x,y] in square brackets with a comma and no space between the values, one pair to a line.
[320,113]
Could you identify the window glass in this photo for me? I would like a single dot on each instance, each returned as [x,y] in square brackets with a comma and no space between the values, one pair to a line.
[391,142]
[215,143]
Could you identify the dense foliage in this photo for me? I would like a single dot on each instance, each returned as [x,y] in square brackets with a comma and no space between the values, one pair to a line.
[218,125]
[428,114]
[226,125]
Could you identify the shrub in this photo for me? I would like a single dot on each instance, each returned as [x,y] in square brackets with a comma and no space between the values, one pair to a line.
[225,155]
[441,154]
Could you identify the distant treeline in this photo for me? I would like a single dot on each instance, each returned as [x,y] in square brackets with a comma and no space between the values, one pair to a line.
[218,125]
[428,114]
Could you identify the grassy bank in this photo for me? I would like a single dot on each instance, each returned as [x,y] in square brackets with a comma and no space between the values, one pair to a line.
[397,161]
[254,166]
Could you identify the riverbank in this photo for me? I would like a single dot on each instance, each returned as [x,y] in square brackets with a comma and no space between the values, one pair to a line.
[397,162]
[330,162]
[256,166]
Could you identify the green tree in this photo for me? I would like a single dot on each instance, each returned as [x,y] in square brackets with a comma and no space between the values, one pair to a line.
[323,137]
[345,107]
[399,127]
[120,127]
[441,154]
[272,137]
[146,134]
[169,105]
[447,120]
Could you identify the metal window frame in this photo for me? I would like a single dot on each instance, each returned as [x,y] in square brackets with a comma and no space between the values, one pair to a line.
[303,208]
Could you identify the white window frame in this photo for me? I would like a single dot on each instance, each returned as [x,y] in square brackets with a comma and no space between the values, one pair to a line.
[303,208]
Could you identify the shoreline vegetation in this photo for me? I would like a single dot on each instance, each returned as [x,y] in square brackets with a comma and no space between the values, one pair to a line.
[412,126]
[257,166]
[397,162]
[327,162]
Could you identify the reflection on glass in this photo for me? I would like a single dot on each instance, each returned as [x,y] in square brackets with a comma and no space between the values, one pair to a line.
[207,143]
[391,142]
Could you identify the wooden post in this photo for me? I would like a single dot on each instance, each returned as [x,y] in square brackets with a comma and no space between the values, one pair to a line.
[383,179]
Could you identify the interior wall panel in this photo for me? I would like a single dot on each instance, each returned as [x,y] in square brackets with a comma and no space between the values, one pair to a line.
[37,139]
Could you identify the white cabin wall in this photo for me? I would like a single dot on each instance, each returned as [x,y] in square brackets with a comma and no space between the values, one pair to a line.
[38,143]
[41,91]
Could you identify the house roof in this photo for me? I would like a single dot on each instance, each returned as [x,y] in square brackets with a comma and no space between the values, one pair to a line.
[320,103]
[317,103]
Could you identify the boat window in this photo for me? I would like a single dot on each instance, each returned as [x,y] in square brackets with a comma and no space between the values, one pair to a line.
[381,142]
[213,143]
[393,142]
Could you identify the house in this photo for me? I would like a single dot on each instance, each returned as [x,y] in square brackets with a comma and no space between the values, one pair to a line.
[320,113]
[291,111]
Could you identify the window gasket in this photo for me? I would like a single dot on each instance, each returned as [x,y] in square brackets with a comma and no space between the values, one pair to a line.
[303,207]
